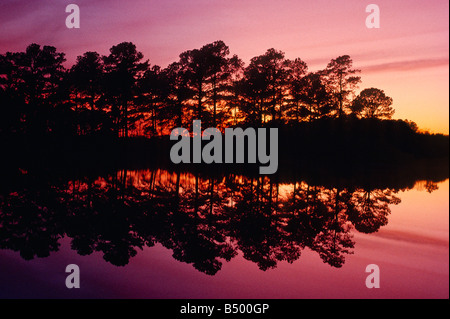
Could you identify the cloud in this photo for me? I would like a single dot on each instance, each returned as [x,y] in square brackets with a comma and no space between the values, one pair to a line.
[406,65]
[412,237]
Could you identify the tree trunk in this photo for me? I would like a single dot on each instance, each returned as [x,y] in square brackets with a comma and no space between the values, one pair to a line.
[214,101]
[126,118]
[199,106]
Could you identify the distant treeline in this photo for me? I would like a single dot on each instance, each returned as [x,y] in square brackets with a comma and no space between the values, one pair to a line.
[123,95]
[328,152]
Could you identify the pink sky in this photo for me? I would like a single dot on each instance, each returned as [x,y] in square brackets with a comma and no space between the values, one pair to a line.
[407,57]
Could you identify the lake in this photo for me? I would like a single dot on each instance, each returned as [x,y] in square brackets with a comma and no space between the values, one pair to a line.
[160,233]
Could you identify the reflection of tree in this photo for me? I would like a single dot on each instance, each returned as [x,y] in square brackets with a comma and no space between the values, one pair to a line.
[255,225]
[368,209]
[99,220]
[334,239]
[202,220]
[28,223]
[187,220]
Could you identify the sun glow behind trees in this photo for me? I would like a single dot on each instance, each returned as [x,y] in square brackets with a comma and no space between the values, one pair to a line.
[123,94]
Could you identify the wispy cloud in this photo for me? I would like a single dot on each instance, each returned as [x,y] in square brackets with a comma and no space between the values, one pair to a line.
[406,65]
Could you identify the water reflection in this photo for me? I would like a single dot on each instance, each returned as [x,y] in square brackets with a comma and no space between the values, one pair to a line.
[204,221]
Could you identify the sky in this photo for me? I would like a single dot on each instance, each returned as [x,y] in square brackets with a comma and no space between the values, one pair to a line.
[407,57]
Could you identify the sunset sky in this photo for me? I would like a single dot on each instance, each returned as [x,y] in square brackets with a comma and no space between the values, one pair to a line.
[408,57]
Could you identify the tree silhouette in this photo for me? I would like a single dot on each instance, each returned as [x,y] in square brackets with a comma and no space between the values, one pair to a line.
[152,90]
[373,103]
[369,209]
[297,73]
[13,106]
[121,93]
[30,81]
[176,94]
[334,240]
[264,86]
[341,82]
[203,220]
[208,71]
[40,70]
[311,93]
[123,68]
[86,85]
[219,72]
[64,179]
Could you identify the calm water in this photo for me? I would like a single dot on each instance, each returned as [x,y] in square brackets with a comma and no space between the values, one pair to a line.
[160,234]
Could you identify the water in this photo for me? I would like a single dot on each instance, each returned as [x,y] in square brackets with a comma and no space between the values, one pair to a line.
[157,233]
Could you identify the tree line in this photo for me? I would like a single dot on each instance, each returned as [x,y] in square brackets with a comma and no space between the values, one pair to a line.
[204,221]
[123,95]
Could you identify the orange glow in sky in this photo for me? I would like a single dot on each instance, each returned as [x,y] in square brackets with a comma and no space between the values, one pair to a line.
[407,56]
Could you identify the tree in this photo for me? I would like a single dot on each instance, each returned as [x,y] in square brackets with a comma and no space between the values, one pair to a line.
[40,71]
[315,96]
[12,102]
[219,73]
[31,81]
[265,86]
[176,93]
[234,105]
[297,70]
[369,209]
[208,72]
[123,68]
[85,77]
[310,98]
[152,87]
[340,82]
[85,82]
[373,103]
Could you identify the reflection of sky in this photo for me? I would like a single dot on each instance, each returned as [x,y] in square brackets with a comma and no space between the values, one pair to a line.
[407,57]
[411,251]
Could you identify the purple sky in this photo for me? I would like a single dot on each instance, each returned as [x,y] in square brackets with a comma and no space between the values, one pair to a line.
[407,57]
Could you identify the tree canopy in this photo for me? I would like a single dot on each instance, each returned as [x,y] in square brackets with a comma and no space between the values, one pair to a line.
[373,103]
[124,95]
